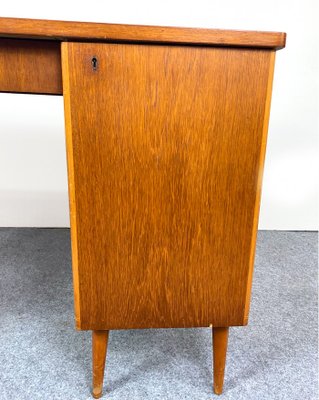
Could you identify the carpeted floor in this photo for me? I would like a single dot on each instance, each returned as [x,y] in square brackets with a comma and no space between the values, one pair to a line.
[43,357]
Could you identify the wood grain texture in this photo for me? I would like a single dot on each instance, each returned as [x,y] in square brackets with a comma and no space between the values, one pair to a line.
[71,188]
[220,342]
[30,66]
[164,152]
[261,163]
[63,30]
[99,349]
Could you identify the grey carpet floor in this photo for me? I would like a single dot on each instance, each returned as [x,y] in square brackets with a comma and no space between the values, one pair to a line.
[43,357]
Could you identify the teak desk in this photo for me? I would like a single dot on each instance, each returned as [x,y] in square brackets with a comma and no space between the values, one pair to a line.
[166,133]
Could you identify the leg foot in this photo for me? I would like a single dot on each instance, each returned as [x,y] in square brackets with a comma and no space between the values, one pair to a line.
[220,340]
[99,347]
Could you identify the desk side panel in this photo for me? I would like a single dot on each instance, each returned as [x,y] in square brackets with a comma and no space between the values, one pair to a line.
[30,66]
[164,150]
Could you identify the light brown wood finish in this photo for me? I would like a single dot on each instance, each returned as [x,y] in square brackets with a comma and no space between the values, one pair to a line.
[33,66]
[99,349]
[164,152]
[261,163]
[220,341]
[71,189]
[30,66]
[166,144]
[88,31]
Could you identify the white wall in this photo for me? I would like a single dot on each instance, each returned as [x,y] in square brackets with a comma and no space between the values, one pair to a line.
[33,183]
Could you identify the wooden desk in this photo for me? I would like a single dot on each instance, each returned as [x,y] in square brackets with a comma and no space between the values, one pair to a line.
[166,133]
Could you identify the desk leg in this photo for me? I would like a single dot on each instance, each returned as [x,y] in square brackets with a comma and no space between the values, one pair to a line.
[99,348]
[220,340]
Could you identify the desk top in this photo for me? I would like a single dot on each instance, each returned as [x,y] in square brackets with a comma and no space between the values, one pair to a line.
[101,32]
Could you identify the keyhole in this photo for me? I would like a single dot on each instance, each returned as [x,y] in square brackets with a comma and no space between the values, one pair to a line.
[94,63]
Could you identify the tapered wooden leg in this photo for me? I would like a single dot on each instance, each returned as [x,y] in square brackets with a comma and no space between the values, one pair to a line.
[220,340]
[99,347]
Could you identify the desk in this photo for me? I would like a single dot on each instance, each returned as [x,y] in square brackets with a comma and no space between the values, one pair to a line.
[166,134]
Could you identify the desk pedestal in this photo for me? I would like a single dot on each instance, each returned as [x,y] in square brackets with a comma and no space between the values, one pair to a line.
[165,148]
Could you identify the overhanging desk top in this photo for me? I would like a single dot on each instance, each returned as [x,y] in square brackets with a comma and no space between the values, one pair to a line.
[166,133]
[88,31]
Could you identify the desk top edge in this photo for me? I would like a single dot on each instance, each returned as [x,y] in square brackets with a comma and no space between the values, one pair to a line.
[24,28]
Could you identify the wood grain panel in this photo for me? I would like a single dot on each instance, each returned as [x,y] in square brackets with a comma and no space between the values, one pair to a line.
[30,66]
[259,185]
[164,155]
[66,30]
